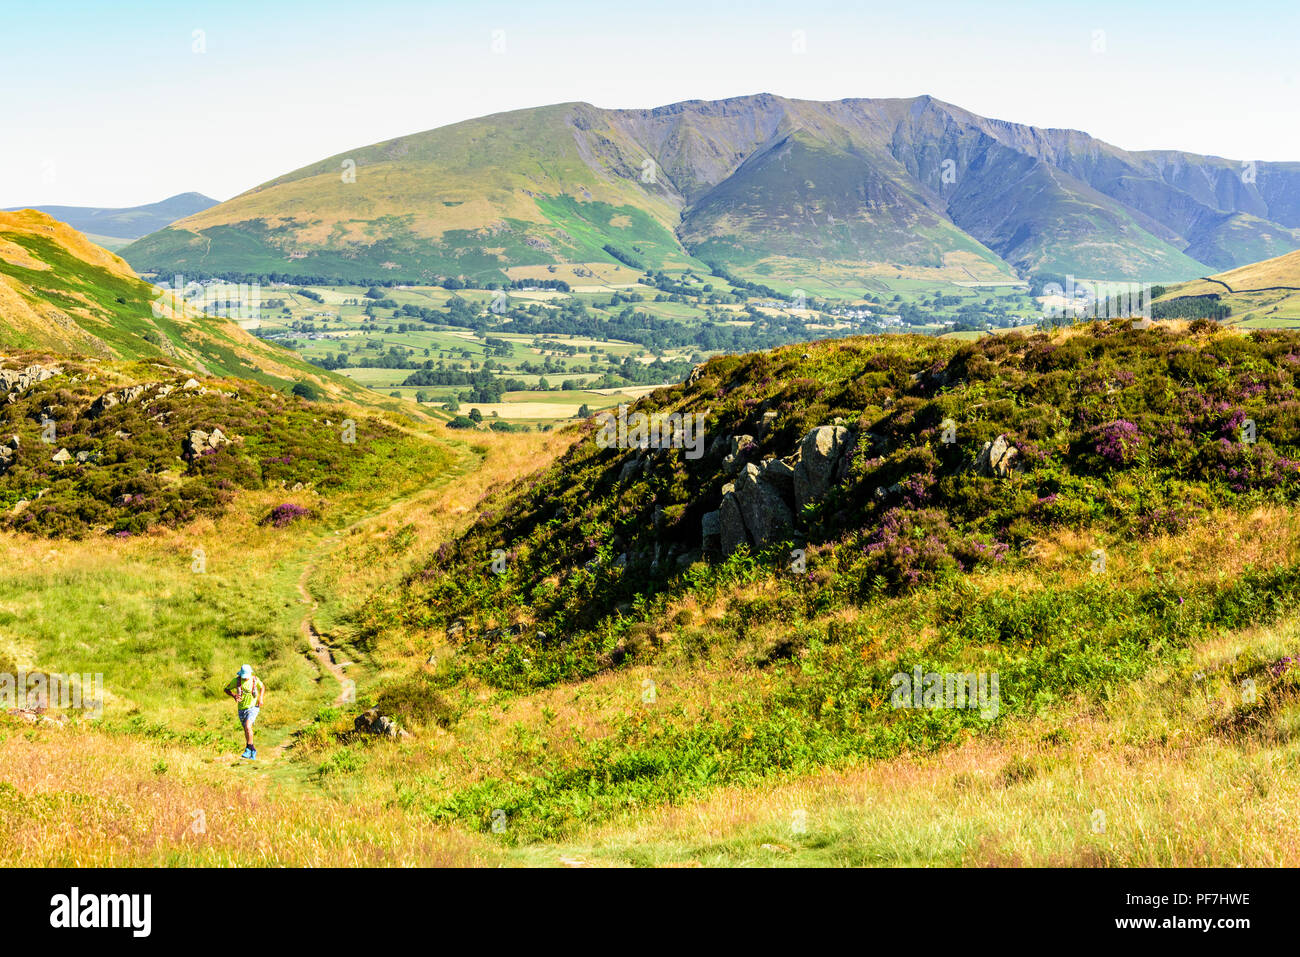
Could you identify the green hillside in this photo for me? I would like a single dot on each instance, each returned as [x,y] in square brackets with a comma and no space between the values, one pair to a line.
[95,447]
[959,518]
[769,187]
[61,293]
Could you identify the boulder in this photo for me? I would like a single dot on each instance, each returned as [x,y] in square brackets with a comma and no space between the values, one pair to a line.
[732,533]
[6,458]
[198,442]
[819,453]
[61,457]
[711,531]
[740,447]
[763,509]
[997,459]
[780,474]
[372,722]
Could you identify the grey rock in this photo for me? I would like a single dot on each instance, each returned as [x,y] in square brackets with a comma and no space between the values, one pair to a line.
[198,441]
[780,474]
[631,468]
[741,443]
[819,453]
[733,531]
[14,382]
[110,399]
[997,459]
[711,531]
[764,511]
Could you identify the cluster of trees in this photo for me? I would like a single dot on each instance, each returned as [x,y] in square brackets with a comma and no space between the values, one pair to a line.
[626,258]
[481,385]
[1209,306]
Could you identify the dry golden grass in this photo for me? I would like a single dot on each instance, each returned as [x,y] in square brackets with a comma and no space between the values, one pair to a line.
[1173,786]
[1180,774]
[79,798]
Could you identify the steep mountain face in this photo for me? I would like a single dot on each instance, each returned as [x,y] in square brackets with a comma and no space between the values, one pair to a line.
[769,187]
[62,294]
[114,228]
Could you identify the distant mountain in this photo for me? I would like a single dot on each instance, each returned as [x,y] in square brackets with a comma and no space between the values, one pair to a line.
[61,293]
[772,189]
[115,228]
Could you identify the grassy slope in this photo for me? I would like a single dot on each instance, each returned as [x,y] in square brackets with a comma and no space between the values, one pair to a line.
[505,190]
[1121,693]
[772,187]
[764,673]
[61,293]
[1255,301]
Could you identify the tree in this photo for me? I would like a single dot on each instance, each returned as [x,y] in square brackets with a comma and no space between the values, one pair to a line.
[475,415]
[305,390]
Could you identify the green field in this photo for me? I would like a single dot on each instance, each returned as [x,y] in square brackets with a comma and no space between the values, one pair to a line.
[362,329]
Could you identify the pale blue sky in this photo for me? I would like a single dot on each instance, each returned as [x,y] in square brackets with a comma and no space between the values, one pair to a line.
[106,103]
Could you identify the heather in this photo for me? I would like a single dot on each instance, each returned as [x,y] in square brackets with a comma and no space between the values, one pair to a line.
[130,466]
[1116,429]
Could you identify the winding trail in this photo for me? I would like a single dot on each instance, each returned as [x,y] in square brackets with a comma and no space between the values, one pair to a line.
[323,653]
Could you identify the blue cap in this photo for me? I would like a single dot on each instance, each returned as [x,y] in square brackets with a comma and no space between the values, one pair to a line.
[245,671]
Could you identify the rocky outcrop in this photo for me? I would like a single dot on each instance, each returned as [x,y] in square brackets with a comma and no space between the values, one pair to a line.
[148,392]
[372,722]
[14,382]
[9,453]
[997,459]
[198,442]
[117,397]
[819,454]
[760,506]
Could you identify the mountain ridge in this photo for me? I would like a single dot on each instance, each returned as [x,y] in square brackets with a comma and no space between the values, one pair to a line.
[115,227]
[760,184]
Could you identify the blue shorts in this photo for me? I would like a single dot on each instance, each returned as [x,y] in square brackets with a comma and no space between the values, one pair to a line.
[248,715]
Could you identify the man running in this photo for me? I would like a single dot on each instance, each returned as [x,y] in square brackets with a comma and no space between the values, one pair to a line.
[248,691]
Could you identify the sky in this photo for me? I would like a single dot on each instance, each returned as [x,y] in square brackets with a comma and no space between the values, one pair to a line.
[123,103]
